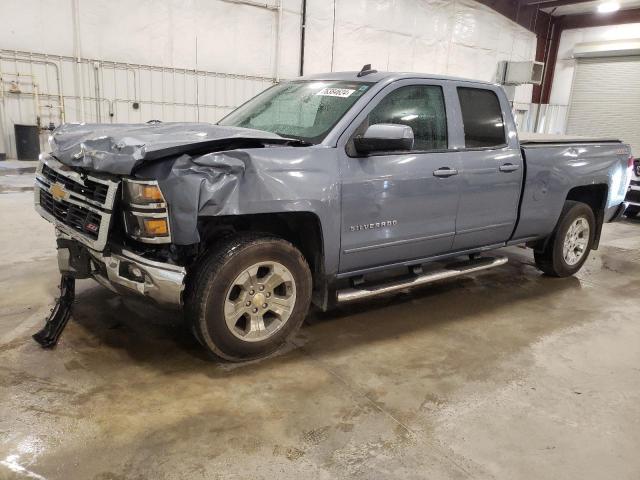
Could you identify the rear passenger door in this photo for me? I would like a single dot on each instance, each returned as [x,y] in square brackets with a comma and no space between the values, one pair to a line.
[491,169]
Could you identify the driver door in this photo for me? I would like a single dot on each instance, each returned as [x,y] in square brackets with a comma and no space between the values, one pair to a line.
[400,206]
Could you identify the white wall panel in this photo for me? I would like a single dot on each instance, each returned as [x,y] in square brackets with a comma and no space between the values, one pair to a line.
[158,40]
[459,37]
[317,48]
[37,26]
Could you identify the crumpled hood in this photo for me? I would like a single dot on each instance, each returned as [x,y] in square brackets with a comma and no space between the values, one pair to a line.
[120,148]
[203,170]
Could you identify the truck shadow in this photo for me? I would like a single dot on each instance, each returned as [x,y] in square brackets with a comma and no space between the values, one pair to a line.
[506,297]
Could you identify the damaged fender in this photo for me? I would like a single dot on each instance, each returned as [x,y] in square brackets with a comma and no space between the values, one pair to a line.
[209,170]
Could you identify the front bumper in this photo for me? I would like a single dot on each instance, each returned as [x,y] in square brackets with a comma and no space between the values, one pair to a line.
[633,194]
[619,212]
[123,272]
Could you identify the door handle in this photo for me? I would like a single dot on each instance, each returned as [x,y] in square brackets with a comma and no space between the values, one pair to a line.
[445,172]
[509,167]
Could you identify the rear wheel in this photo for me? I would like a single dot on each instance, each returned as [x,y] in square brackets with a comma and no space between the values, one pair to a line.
[249,296]
[568,247]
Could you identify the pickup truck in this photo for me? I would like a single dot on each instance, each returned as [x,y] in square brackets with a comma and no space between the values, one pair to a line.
[325,189]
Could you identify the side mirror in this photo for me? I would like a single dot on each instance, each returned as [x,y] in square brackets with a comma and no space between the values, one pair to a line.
[384,137]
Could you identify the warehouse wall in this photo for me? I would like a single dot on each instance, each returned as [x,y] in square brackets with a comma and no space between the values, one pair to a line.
[190,60]
[146,53]
[460,38]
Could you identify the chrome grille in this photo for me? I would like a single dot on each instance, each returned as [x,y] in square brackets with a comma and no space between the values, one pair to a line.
[633,196]
[90,189]
[74,216]
[78,205]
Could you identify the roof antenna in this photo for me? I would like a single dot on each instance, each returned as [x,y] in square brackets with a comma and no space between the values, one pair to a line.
[366,70]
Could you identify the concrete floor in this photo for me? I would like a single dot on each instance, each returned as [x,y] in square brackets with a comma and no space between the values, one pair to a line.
[506,374]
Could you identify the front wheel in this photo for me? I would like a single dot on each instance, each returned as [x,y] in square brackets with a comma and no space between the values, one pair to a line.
[249,296]
[568,247]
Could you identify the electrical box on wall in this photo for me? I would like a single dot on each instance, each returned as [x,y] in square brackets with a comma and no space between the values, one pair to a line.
[520,73]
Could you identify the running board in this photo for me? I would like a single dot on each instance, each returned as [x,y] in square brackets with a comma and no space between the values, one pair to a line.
[448,271]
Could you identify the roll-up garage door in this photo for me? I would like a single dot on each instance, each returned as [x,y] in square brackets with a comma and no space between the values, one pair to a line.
[605,99]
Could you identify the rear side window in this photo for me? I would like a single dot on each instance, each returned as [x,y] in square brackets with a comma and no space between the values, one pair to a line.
[481,117]
[421,107]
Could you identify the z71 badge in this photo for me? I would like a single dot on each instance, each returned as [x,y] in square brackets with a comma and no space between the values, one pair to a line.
[373,226]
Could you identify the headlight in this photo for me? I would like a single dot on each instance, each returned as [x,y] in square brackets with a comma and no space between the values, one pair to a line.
[146,215]
[142,193]
[143,227]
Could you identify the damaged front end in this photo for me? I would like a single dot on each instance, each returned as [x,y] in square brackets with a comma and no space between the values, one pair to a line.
[122,271]
[92,215]
[91,226]
[125,202]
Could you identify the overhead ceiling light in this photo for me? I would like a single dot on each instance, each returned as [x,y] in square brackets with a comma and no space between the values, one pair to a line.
[608,7]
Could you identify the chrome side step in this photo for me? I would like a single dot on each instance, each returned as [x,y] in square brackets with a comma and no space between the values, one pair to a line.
[448,271]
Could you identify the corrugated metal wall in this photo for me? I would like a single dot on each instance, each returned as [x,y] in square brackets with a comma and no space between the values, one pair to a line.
[36,87]
[605,99]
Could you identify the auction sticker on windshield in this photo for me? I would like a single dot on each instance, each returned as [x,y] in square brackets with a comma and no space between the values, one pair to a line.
[335,92]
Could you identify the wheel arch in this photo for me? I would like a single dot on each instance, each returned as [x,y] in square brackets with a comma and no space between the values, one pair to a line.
[596,197]
[303,229]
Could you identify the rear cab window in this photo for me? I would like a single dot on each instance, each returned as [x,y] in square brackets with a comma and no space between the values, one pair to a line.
[481,118]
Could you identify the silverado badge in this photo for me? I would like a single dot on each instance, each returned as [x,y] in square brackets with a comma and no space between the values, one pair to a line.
[58,192]
[372,226]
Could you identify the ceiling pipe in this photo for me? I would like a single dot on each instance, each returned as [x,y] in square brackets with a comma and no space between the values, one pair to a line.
[278,42]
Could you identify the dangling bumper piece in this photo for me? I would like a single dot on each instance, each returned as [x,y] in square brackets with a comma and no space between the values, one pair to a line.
[50,333]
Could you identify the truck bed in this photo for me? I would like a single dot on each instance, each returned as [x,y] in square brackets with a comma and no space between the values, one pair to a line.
[545,138]
[556,164]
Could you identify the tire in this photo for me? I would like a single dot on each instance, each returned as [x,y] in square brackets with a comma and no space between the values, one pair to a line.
[238,279]
[552,260]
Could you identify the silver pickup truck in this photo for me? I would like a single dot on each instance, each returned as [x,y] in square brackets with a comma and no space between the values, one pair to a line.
[326,189]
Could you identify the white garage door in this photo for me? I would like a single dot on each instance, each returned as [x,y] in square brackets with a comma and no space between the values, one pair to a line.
[605,100]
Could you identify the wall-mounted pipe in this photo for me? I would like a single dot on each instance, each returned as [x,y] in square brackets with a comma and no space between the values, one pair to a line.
[77,51]
[251,3]
[6,139]
[16,58]
[181,107]
[303,28]
[141,66]
[110,108]
[278,42]
[96,80]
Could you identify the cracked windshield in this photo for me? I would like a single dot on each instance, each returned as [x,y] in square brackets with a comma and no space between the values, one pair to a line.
[303,110]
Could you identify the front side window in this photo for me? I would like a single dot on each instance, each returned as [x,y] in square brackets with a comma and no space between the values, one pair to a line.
[481,118]
[421,107]
[306,110]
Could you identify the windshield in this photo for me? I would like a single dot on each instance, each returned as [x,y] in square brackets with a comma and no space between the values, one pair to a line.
[306,110]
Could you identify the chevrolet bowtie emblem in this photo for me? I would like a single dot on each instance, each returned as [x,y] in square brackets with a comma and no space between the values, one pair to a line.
[58,192]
